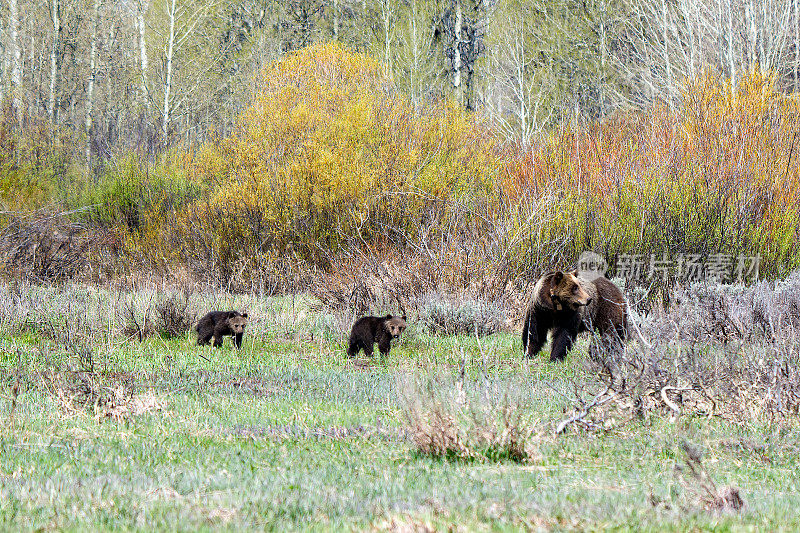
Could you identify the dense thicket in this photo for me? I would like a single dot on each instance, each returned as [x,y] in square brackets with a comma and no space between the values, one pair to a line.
[333,167]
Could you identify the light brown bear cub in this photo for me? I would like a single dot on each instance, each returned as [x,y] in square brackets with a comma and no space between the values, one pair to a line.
[371,329]
[567,305]
[217,324]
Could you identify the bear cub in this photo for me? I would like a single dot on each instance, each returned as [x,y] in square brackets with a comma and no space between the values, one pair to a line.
[567,305]
[371,329]
[217,324]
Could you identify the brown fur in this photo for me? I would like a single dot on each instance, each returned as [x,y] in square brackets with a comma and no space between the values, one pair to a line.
[371,329]
[567,305]
[218,324]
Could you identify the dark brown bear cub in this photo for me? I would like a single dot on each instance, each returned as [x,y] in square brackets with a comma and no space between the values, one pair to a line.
[371,329]
[567,305]
[217,324]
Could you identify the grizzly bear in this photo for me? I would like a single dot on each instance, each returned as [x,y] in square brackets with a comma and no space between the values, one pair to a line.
[371,329]
[567,305]
[217,324]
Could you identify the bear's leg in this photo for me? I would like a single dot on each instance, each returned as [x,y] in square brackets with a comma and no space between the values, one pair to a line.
[525,327]
[219,333]
[562,342]
[384,345]
[353,348]
[238,340]
[204,338]
[367,346]
[537,335]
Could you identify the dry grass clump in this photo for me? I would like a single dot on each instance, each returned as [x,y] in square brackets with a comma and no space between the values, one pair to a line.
[167,312]
[450,315]
[445,420]
[698,483]
[174,315]
[87,392]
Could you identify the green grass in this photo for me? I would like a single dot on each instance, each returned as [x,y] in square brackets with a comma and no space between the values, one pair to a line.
[289,434]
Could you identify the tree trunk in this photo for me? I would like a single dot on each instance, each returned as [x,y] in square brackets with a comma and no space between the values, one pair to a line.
[16,59]
[603,61]
[457,50]
[519,64]
[335,19]
[3,69]
[796,43]
[168,76]
[415,55]
[730,46]
[387,36]
[667,62]
[90,88]
[143,57]
[55,59]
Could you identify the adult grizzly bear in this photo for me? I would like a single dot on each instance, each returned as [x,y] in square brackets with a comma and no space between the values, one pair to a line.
[371,329]
[566,304]
[217,324]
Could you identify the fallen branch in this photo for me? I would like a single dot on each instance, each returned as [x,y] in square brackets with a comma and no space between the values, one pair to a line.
[586,409]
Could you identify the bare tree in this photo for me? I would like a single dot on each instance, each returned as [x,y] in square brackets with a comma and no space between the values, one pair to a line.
[456,48]
[183,18]
[16,57]
[674,40]
[141,8]
[55,58]
[414,61]
[90,85]
[3,54]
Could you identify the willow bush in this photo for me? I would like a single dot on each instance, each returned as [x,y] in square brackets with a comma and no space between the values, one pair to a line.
[719,175]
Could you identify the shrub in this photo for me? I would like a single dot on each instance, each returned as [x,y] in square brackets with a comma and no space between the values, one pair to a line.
[134,194]
[330,154]
[175,318]
[458,421]
[721,175]
[453,315]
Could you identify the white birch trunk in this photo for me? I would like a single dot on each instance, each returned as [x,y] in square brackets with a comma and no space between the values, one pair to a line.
[386,6]
[796,43]
[55,59]
[457,51]
[16,58]
[168,76]
[143,56]
[415,54]
[665,49]
[90,87]
[335,19]
[731,62]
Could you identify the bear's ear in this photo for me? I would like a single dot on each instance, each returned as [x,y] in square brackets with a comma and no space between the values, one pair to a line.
[557,277]
[388,316]
[404,318]
[244,315]
[575,272]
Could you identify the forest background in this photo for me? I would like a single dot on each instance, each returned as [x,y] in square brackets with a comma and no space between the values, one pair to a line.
[449,145]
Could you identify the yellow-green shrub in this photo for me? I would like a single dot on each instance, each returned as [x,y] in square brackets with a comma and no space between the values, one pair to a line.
[329,152]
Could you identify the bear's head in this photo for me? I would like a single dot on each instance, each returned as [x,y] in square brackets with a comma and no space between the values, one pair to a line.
[395,325]
[566,292]
[237,322]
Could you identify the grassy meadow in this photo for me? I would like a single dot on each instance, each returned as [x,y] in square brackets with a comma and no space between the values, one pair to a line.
[102,430]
